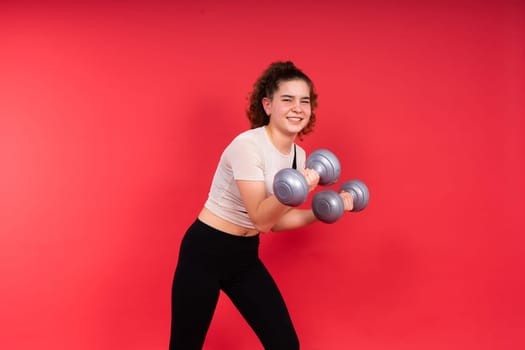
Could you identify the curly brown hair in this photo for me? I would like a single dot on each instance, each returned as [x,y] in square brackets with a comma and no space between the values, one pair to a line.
[266,86]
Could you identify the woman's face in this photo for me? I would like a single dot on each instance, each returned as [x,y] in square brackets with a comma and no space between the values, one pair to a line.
[289,108]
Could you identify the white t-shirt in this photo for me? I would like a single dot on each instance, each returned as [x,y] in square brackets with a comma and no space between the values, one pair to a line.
[250,156]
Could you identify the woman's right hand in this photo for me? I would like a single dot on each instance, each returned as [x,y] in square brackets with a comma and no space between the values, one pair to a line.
[312,178]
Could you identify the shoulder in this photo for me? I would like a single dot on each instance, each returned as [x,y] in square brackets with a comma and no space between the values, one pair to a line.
[248,138]
[251,134]
[248,141]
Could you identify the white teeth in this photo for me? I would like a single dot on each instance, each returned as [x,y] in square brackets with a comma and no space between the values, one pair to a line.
[295,118]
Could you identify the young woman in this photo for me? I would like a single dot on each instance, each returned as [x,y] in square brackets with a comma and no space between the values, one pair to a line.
[220,249]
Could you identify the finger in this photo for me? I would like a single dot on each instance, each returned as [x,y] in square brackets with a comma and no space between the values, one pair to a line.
[348,200]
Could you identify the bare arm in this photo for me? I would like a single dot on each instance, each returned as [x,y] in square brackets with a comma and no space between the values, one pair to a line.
[264,212]
[295,218]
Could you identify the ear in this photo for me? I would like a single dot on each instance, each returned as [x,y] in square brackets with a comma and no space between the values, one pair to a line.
[267,104]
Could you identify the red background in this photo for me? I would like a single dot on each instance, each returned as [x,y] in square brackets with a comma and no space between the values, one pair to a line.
[112,119]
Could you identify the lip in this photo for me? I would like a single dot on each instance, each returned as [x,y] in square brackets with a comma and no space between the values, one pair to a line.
[295,119]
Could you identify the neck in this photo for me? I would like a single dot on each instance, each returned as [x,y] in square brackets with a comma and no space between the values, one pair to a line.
[281,141]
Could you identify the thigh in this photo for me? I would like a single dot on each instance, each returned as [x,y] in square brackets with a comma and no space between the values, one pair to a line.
[259,300]
[194,298]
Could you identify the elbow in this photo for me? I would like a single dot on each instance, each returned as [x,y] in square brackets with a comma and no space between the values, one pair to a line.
[277,228]
[263,228]
[262,224]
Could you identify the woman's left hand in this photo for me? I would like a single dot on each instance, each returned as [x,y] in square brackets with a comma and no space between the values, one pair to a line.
[348,200]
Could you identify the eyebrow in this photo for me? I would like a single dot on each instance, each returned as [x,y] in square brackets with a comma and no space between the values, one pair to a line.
[291,96]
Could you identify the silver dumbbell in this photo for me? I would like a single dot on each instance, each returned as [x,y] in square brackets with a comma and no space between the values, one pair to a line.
[290,186]
[328,206]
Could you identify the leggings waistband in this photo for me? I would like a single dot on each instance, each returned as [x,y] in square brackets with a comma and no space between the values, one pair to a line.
[212,239]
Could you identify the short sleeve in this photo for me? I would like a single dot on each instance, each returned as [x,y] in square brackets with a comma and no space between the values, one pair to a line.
[245,159]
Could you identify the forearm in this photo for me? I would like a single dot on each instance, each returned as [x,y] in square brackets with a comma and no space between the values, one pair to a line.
[295,218]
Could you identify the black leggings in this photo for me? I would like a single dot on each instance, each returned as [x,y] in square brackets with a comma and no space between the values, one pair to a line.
[210,261]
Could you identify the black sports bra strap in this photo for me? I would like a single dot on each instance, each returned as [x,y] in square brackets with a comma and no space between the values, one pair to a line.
[294,164]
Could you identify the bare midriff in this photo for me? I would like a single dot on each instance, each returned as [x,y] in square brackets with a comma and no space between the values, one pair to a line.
[210,219]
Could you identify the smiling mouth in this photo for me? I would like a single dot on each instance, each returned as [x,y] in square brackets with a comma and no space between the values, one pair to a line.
[296,119]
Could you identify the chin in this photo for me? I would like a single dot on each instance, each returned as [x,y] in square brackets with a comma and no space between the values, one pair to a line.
[296,130]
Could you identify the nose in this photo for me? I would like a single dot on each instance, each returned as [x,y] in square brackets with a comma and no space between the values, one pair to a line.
[297,108]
